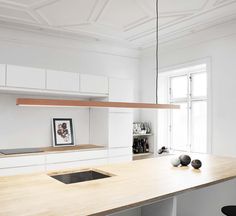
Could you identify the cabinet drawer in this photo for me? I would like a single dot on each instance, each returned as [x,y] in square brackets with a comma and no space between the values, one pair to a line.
[2,75]
[76,164]
[62,81]
[75,156]
[93,84]
[22,170]
[121,159]
[114,152]
[25,77]
[21,161]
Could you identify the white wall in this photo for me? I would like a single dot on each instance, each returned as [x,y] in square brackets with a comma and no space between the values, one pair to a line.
[148,89]
[222,53]
[22,127]
[28,127]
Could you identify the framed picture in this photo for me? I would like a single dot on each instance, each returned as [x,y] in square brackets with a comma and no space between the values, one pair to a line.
[62,129]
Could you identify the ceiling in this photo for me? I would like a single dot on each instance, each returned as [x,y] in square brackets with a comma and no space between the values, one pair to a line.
[130,22]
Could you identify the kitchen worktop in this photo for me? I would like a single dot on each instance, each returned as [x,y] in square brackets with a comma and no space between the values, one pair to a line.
[48,150]
[132,184]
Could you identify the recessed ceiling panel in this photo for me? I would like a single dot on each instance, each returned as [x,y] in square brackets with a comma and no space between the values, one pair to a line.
[177,6]
[143,27]
[24,2]
[221,1]
[145,38]
[167,20]
[98,30]
[122,14]
[20,15]
[130,21]
[150,5]
[67,12]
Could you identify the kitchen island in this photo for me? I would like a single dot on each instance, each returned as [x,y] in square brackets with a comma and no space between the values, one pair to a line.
[147,187]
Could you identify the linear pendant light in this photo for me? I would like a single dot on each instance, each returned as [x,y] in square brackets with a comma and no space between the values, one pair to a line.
[79,103]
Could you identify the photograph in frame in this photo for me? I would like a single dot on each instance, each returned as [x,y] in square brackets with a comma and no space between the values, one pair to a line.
[62,132]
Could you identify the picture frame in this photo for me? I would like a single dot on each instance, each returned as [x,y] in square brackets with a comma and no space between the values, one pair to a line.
[62,132]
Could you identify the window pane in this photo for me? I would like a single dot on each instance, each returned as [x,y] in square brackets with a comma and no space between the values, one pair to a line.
[179,130]
[179,87]
[199,84]
[199,126]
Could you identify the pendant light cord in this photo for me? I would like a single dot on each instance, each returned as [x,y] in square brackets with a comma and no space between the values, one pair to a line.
[157,62]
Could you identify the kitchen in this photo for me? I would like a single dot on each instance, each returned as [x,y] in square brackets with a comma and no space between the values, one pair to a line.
[50,51]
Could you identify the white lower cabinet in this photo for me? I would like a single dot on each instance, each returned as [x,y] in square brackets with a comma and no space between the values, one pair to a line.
[117,152]
[21,161]
[22,170]
[120,159]
[40,163]
[22,164]
[75,156]
[76,159]
[120,155]
[76,164]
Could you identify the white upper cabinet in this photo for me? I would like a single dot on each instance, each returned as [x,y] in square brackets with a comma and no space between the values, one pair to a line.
[2,75]
[62,81]
[93,84]
[121,90]
[25,77]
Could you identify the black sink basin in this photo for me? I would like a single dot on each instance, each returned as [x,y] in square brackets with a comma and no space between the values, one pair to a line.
[70,178]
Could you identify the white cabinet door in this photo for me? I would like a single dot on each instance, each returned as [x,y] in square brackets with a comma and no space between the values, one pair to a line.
[62,81]
[25,77]
[75,156]
[93,84]
[22,170]
[121,90]
[120,159]
[21,161]
[76,164]
[2,75]
[120,130]
[117,152]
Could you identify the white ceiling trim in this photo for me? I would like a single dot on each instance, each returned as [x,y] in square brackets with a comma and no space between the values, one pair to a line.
[195,28]
[99,13]
[10,3]
[194,16]
[142,35]
[137,31]
[184,12]
[19,9]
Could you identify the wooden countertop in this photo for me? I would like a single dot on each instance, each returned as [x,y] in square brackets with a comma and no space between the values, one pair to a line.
[133,184]
[48,150]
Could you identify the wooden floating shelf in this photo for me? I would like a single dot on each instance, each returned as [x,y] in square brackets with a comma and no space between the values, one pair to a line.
[142,135]
[79,103]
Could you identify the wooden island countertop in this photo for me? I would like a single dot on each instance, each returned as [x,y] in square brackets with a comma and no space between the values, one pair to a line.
[133,184]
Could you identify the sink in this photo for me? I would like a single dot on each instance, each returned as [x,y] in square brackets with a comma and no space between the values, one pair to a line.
[82,176]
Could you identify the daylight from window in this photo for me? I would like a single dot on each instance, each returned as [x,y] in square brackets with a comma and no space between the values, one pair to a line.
[187,127]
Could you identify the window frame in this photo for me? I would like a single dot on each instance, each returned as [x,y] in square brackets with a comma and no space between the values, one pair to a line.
[166,72]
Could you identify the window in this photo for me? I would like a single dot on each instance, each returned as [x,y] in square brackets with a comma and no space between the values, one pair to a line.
[187,127]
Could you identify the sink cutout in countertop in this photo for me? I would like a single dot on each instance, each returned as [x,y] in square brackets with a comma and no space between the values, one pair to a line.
[80,176]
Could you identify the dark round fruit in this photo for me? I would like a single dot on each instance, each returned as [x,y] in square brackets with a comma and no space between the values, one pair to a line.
[196,164]
[185,160]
